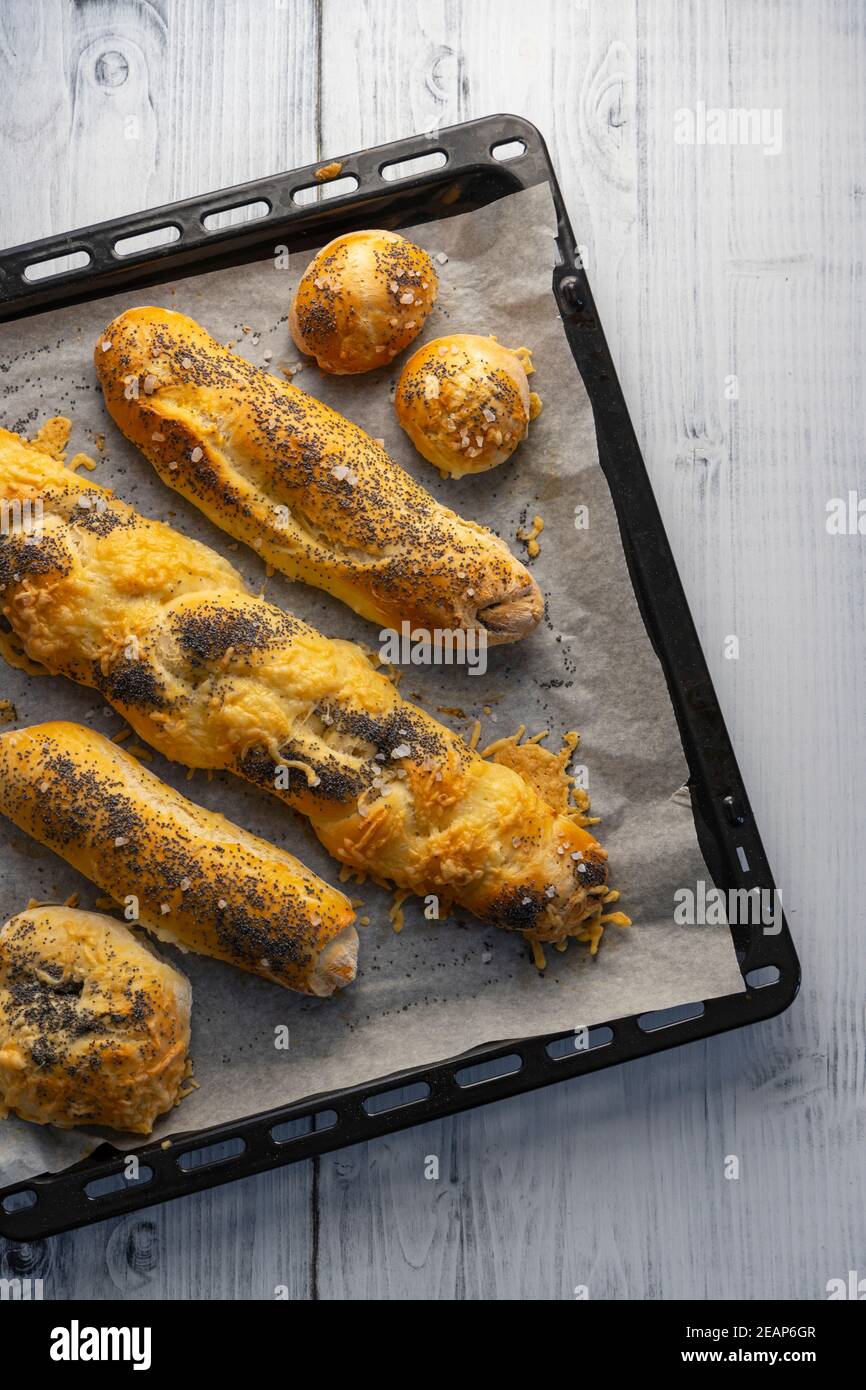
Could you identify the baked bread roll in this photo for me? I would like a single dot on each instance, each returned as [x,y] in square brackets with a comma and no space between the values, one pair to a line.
[94,1026]
[312,493]
[216,677]
[363,298]
[465,402]
[198,881]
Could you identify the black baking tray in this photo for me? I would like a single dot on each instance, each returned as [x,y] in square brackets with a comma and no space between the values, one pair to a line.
[479,161]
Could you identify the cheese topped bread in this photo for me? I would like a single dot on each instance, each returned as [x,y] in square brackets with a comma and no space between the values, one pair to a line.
[314,495]
[94,1026]
[216,677]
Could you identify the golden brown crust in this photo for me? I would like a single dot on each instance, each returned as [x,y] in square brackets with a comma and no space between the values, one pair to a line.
[313,494]
[215,677]
[198,881]
[362,299]
[465,402]
[94,1026]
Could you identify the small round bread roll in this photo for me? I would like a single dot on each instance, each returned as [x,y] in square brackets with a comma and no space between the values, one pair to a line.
[364,298]
[465,402]
[94,1025]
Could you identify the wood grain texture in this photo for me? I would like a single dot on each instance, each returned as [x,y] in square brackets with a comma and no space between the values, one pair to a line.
[708,262]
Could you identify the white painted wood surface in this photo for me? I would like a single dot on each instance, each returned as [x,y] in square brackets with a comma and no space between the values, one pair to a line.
[708,262]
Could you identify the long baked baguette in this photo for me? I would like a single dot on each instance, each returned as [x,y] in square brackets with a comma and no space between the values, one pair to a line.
[216,677]
[316,496]
[200,882]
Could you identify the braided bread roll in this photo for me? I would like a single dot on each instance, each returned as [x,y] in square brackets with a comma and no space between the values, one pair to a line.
[218,678]
[200,882]
[315,496]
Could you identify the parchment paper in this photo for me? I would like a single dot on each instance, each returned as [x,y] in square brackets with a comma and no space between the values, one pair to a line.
[437,989]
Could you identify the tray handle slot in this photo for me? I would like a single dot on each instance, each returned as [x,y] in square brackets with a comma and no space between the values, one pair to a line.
[504,150]
[326,188]
[762,976]
[235,214]
[386,1101]
[581,1040]
[416,164]
[22,1200]
[304,1125]
[207,1157]
[117,1182]
[147,241]
[37,271]
[493,1070]
[670,1018]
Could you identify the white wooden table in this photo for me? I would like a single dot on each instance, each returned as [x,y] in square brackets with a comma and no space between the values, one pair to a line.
[709,262]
